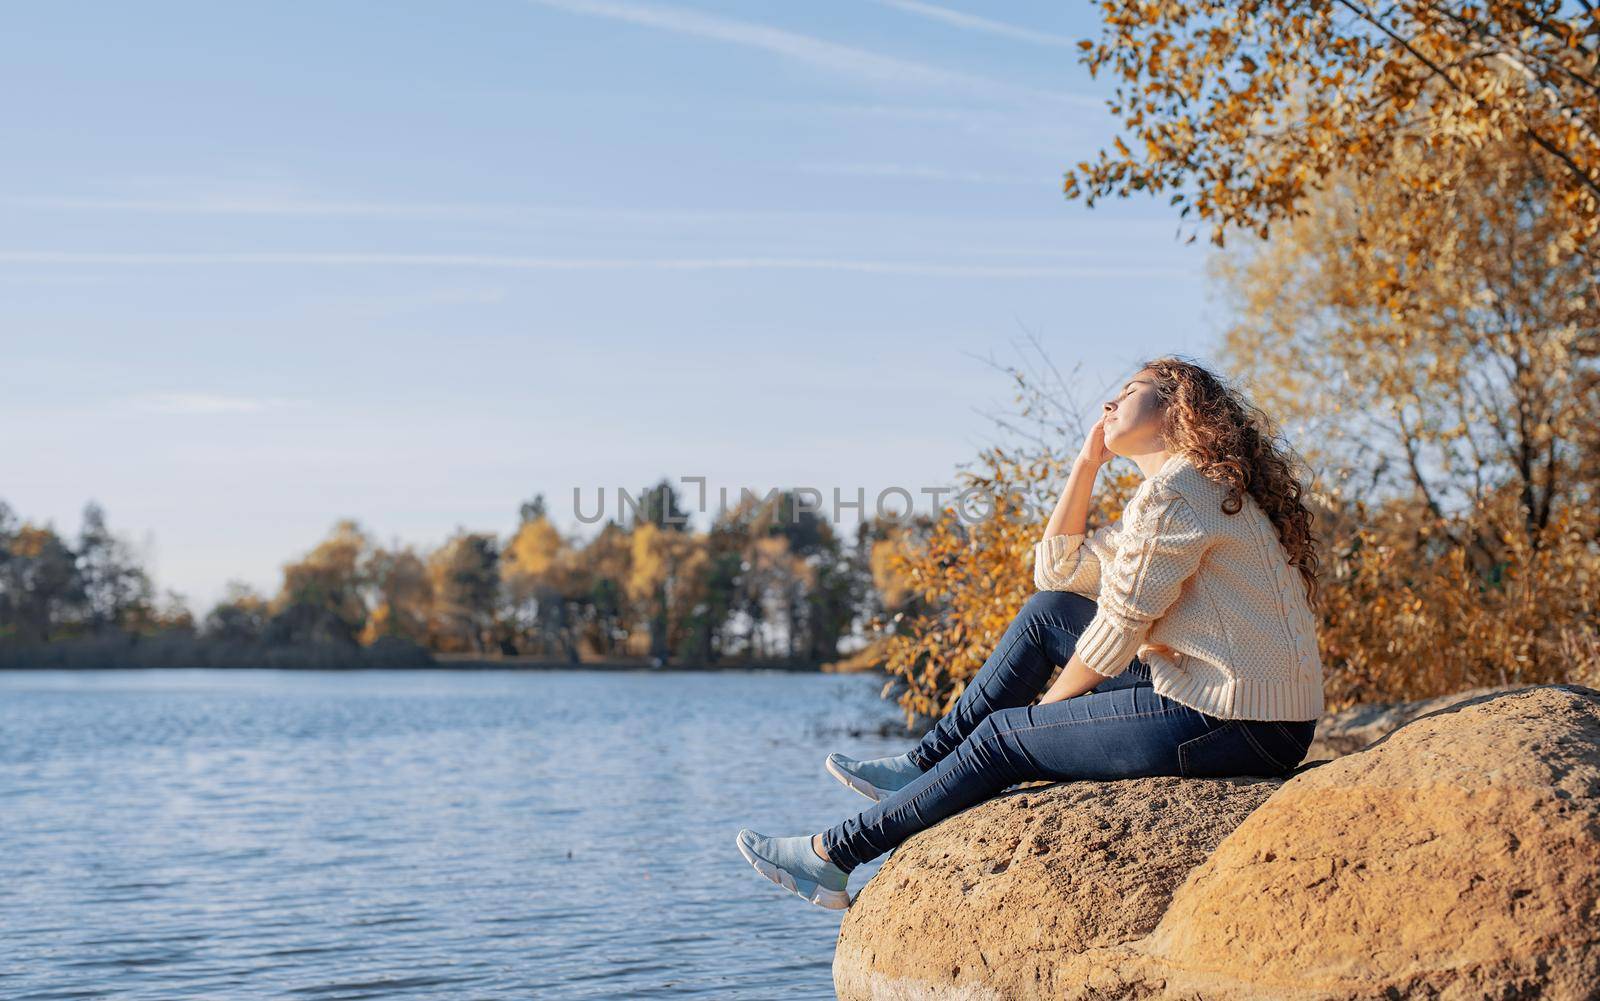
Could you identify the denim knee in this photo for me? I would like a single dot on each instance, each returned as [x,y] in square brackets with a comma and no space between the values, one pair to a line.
[1006,720]
[994,741]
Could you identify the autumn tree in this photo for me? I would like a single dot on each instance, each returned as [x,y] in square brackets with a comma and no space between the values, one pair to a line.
[820,602]
[816,605]
[1450,413]
[832,606]
[1243,109]
[775,580]
[544,584]
[607,563]
[667,568]
[666,576]
[240,618]
[708,637]
[41,591]
[9,597]
[465,577]
[1452,382]
[114,584]
[783,586]
[321,599]
[400,594]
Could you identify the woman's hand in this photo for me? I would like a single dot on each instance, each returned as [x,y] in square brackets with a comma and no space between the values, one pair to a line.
[1094,449]
[1075,679]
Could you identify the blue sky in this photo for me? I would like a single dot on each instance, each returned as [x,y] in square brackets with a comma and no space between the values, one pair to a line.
[266,266]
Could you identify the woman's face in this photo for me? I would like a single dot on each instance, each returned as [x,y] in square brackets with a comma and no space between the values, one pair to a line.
[1134,417]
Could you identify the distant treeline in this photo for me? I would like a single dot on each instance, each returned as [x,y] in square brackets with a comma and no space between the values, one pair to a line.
[770,582]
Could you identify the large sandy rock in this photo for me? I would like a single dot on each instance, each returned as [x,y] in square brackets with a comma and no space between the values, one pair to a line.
[1002,893]
[1456,857]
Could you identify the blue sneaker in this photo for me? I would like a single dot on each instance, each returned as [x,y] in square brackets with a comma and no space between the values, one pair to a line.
[876,777]
[793,865]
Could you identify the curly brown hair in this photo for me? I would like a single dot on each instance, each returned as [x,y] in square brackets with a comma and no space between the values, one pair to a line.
[1234,442]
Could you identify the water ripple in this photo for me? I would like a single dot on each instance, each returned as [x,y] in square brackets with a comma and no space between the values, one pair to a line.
[177,835]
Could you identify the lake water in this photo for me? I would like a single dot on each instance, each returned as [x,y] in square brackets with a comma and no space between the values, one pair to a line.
[552,834]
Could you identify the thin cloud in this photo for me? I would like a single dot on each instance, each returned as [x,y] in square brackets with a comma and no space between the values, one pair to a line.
[972,22]
[515,263]
[902,171]
[192,404]
[845,60]
[248,205]
[270,206]
[971,118]
[499,212]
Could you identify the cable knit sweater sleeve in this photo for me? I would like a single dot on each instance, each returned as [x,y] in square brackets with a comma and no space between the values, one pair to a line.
[1159,551]
[1071,562]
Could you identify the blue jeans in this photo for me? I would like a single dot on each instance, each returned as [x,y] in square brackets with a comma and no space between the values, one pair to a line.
[994,738]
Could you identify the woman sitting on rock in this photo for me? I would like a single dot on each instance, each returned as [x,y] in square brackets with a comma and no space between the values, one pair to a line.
[1185,626]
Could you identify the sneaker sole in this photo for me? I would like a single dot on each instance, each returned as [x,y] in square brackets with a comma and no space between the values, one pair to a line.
[855,782]
[833,900]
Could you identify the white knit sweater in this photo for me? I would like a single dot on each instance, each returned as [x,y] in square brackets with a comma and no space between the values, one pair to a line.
[1209,600]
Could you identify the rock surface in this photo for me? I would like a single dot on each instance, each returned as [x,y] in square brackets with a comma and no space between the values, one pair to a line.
[1352,729]
[1456,857]
[1022,880]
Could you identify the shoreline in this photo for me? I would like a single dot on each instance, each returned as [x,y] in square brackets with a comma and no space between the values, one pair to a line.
[480,662]
[461,662]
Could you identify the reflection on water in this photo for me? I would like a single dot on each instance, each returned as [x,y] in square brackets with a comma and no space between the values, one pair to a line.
[203,834]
